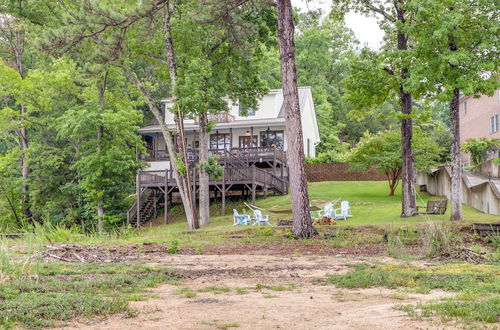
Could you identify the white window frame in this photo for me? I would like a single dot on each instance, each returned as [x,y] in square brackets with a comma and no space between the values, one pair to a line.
[494,124]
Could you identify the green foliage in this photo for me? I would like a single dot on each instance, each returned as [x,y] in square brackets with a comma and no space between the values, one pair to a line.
[456,47]
[382,152]
[181,165]
[476,147]
[212,167]
[173,248]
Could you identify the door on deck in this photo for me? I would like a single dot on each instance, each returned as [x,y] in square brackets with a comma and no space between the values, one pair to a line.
[246,141]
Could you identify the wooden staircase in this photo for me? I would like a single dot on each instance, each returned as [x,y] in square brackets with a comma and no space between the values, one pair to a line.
[150,200]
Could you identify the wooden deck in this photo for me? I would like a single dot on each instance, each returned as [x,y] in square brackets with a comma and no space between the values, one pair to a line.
[240,173]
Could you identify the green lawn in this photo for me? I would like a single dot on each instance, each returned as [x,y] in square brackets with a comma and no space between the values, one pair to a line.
[370,205]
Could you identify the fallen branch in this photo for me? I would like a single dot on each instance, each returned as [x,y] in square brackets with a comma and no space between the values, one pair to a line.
[57,257]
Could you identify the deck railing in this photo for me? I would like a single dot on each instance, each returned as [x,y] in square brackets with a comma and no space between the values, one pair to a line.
[249,154]
[234,172]
[219,117]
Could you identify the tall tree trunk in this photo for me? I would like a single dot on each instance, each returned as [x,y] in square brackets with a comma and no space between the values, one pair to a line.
[204,193]
[456,168]
[186,195]
[100,202]
[101,89]
[302,224]
[18,49]
[408,173]
[12,207]
[25,172]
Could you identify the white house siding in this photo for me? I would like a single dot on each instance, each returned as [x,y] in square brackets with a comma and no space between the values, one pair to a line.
[269,115]
[310,134]
[266,109]
[158,166]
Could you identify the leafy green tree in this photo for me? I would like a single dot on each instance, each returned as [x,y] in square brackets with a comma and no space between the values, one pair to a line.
[197,52]
[382,152]
[456,51]
[102,129]
[377,77]
[476,147]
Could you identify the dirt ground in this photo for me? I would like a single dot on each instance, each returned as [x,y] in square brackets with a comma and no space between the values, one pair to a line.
[306,302]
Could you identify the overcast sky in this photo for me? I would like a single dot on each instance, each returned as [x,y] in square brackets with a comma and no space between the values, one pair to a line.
[365,28]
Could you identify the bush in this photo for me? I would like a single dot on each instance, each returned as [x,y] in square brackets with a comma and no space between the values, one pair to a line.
[477,148]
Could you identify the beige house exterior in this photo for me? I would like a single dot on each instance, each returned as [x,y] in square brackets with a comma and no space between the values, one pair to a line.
[479,118]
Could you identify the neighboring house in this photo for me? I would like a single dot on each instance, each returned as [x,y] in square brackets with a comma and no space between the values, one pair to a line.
[262,127]
[251,148]
[479,118]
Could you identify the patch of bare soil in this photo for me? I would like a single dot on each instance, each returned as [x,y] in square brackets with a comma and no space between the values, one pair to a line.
[267,292]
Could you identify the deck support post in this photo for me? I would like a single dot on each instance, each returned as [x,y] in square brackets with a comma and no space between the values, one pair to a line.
[254,186]
[194,189]
[223,194]
[138,193]
[165,207]
[155,207]
[230,138]
[274,159]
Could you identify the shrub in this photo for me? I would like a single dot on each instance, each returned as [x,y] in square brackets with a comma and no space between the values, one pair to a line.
[174,247]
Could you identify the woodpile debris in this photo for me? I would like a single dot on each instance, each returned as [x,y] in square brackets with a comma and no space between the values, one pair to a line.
[75,253]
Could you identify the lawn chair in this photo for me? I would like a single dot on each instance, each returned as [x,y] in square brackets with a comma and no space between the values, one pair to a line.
[343,212]
[326,212]
[434,207]
[241,219]
[260,219]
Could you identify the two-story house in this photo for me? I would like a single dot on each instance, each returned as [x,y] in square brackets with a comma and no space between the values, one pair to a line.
[479,118]
[251,146]
[262,127]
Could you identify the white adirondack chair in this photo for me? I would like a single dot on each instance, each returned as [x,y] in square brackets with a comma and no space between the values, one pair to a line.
[343,212]
[241,219]
[260,219]
[326,212]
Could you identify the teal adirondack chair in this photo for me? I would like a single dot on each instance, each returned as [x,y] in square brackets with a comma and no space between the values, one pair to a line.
[241,219]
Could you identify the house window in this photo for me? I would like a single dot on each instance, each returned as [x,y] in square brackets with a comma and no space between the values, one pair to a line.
[494,124]
[246,112]
[245,141]
[465,108]
[268,138]
[308,148]
[220,141]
